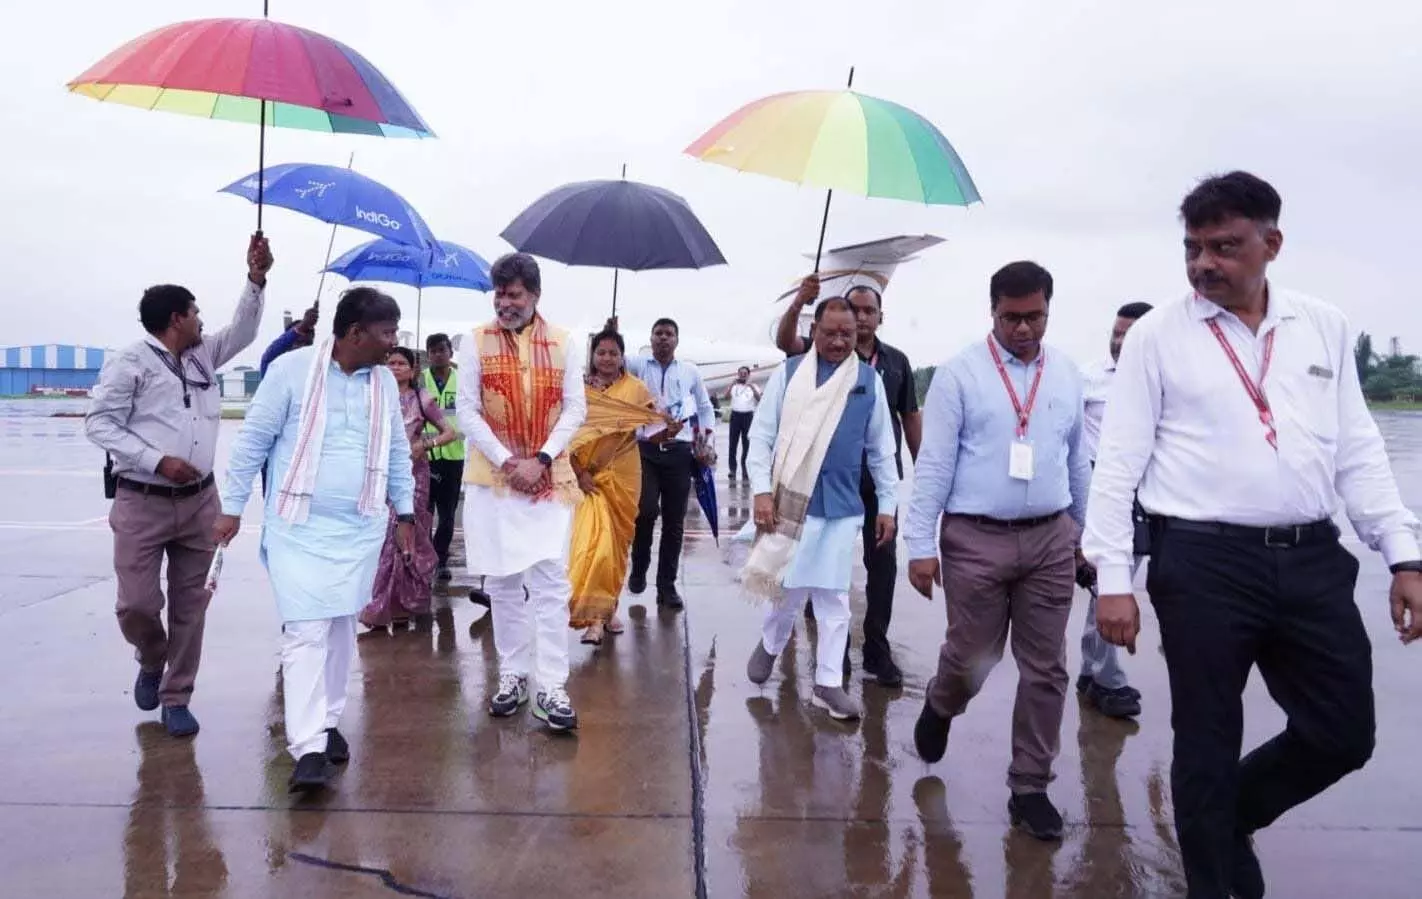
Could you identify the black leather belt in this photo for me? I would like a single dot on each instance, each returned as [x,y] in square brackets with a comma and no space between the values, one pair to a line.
[1016,524]
[665,446]
[1277,537]
[167,492]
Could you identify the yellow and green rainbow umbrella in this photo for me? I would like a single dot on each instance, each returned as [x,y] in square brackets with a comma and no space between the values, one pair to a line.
[841,140]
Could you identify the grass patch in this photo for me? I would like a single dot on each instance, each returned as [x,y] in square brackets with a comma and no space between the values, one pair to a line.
[234,414]
[1395,405]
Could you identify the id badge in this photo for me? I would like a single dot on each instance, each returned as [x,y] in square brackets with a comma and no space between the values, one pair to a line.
[1019,461]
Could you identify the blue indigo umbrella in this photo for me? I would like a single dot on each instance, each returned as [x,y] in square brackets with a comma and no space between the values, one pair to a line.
[339,197]
[703,478]
[444,264]
[614,224]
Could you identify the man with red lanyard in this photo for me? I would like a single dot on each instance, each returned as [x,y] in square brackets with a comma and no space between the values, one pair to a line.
[1238,413]
[1000,486]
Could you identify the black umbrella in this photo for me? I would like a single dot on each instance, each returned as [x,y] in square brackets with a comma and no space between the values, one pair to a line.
[614,224]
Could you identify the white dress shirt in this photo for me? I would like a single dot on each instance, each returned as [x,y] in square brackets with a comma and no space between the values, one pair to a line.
[743,398]
[1181,426]
[1095,387]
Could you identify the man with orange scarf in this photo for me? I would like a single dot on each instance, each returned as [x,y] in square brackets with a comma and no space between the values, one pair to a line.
[520,400]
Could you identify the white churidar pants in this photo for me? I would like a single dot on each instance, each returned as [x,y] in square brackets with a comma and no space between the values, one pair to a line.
[531,635]
[831,620]
[315,675]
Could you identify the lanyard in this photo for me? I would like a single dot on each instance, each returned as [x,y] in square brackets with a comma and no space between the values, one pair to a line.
[1023,412]
[176,367]
[1255,391]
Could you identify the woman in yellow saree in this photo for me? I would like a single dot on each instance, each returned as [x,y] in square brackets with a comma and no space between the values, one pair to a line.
[609,468]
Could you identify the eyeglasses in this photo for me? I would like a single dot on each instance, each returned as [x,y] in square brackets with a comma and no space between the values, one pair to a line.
[1014,319]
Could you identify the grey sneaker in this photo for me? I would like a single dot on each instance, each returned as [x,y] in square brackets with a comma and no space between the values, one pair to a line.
[761,664]
[513,692]
[840,705]
[554,708]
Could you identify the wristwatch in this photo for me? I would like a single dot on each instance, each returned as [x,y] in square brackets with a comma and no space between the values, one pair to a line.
[405,519]
[544,458]
[1413,565]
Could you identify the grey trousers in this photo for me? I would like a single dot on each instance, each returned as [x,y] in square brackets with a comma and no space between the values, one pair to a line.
[1100,660]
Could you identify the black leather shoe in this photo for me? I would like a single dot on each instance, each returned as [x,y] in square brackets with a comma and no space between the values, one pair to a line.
[313,772]
[1246,877]
[886,674]
[1113,703]
[667,597]
[930,734]
[1034,814]
[637,583]
[479,597]
[337,749]
[179,721]
[145,689]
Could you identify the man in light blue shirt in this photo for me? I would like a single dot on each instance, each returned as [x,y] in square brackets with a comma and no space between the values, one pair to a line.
[1002,463]
[667,466]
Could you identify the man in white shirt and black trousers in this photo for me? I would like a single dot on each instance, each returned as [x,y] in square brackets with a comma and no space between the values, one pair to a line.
[1238,412]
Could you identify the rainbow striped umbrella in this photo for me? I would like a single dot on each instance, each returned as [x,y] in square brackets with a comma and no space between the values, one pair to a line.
[841,140]
[256,71]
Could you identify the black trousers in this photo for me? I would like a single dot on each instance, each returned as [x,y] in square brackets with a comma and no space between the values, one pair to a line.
[882,567]
[740,438]
[1226,603]
[446,476]
[666,488]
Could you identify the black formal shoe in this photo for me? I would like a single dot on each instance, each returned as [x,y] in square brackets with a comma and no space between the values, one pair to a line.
[479,597]
[443,575]
[846,670]
[145,689]
[1119,703]
[1083,683]
[179,721]
[668,598]
[1246,877]
[1034,815]
[885,673]
[637,583]
[337,749]
[313,772]
[930,734]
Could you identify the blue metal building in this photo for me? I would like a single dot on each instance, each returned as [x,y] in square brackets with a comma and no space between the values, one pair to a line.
[53,366]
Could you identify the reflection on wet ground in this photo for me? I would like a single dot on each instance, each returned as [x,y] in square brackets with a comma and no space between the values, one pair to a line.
[442,801]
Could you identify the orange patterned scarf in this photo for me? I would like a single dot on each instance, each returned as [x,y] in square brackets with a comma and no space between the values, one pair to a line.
[521,386]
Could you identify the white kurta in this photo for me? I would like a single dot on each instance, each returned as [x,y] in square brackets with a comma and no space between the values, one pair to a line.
[508,534]
[325,566]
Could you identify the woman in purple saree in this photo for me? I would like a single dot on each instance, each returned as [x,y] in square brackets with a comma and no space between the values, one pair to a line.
[402,586]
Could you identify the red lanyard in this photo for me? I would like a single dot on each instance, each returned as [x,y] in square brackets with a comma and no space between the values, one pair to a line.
[1255,391]
[1023,412]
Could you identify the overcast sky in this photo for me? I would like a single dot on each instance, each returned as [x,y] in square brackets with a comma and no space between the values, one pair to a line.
[1083,124]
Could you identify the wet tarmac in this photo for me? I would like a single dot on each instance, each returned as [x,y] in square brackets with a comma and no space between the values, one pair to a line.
[684,777]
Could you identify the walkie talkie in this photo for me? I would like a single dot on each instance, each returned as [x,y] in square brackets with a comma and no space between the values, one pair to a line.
[110,479]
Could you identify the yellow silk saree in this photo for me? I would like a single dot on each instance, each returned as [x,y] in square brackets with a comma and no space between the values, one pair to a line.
[606,448]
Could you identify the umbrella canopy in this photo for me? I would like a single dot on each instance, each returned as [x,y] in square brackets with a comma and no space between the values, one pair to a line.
[445,265]
[339,197]
[841,140]
[703,477]
[233,69]
[614,224]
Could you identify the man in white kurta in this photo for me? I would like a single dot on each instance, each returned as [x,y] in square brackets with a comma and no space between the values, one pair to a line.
[823,414]
[326,422]
[520,401]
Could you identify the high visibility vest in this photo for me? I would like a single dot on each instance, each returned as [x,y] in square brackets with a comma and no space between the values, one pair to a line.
[453,452]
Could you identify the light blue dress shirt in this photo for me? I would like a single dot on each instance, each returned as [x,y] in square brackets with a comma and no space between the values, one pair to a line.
[825,555]
[969,427]
[325,566]
[676,386]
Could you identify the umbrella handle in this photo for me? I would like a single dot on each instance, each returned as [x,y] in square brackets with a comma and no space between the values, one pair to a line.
[261,161]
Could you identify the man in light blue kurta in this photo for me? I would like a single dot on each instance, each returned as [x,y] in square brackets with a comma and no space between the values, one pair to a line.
[326,421]
[823,414]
